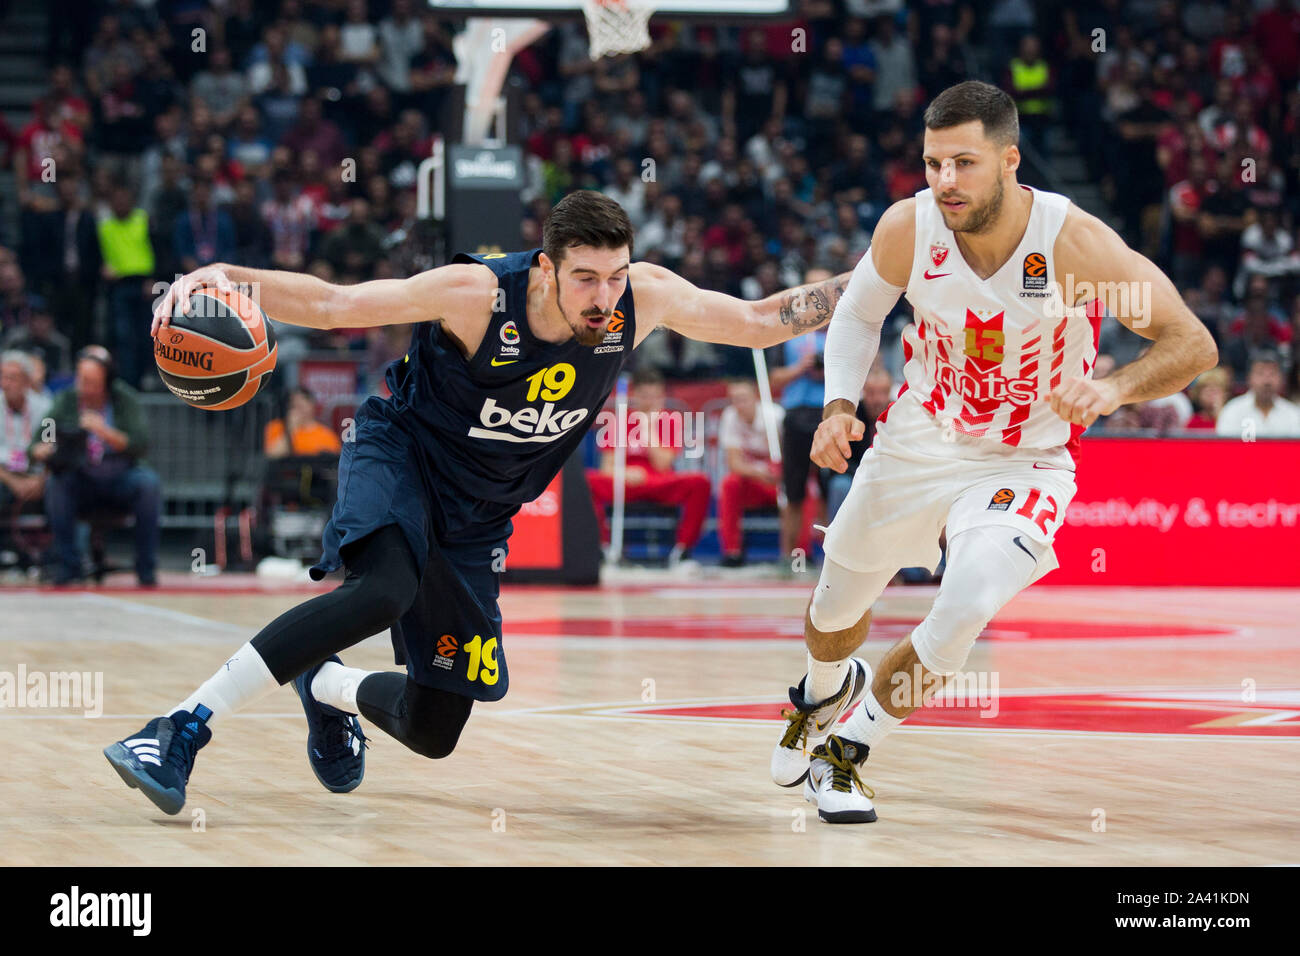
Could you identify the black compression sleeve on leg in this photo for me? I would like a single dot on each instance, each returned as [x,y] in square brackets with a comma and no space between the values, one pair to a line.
[426,720]
[380,585]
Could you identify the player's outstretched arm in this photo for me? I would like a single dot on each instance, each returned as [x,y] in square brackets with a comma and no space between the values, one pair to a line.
[446,293]
[1141,297]
[664,298]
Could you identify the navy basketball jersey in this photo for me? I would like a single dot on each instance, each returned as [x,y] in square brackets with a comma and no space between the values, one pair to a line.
[497,427]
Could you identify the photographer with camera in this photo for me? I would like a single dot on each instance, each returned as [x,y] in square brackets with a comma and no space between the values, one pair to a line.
[95,462]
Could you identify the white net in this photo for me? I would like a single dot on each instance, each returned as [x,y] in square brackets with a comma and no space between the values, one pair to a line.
[617,26]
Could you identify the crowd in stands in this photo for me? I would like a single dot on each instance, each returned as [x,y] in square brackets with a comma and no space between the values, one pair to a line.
[748,156]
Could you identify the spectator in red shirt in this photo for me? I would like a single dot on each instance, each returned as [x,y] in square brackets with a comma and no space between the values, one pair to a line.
[1243,132]
[1256,328]
[290,216]
[314,131]
[649,475]
[1185,201]
[752,476]
[1227,51]
[1177,145]
[1171,92]
[1259,83]
[1210,390]
[730,235]
[905,176]
[1218,114]
[37,143]
[1277,31]
[64,103]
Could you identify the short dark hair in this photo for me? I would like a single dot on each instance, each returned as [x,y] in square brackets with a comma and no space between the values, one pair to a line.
[1265,356]
[647,376]
[975,100]
[585,218]
[101,357]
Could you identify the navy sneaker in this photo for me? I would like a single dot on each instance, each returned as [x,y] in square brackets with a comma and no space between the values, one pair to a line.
[336,747]
[158,759]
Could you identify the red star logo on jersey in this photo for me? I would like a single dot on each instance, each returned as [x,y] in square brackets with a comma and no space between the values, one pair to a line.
[938,253]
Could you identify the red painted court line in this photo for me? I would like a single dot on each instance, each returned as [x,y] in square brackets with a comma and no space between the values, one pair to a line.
[1111,713]
[163,589]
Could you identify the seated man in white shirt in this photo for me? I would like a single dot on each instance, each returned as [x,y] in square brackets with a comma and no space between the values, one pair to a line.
[752,476]
[1261,412]
[21,413]
[22,481]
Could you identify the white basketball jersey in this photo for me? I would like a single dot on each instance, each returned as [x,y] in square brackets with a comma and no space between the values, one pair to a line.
[984,354]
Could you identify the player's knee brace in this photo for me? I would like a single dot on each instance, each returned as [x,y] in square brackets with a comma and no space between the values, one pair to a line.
[382,579]
[426,720]
[982,573]
[380,585]
[375,602]
[843,596]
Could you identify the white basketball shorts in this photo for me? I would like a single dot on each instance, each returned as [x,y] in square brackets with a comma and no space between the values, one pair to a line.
[920,477]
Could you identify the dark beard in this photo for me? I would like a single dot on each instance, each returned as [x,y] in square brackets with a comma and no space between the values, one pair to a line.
[585,336]
[981,219]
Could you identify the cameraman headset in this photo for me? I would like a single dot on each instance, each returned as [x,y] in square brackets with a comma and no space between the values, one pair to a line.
[94,391]
[95,461]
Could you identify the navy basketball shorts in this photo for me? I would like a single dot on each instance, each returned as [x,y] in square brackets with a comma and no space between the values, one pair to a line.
[450,637]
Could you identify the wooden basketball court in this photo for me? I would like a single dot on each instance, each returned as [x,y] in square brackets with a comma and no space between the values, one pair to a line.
[1133,726]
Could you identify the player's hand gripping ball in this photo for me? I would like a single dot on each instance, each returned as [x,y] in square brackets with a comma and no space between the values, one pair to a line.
[217,348]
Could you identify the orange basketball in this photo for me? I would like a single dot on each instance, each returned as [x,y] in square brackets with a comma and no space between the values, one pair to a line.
[220,354]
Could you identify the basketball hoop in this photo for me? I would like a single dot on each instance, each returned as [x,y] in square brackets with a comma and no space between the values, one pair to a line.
[617,26]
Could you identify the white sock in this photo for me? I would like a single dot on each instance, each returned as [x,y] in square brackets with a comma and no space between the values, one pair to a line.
[239,682]
[869,722]
[825,678]
[337,685]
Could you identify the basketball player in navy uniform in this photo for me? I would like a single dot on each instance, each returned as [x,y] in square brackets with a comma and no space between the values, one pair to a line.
[511,357]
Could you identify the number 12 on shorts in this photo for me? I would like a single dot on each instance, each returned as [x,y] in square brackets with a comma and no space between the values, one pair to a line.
[1046,513]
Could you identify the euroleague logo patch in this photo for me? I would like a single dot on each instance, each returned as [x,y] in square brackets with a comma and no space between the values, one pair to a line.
[510,333]
[447,647]
[1035,271]
[613,341]
[1001,499]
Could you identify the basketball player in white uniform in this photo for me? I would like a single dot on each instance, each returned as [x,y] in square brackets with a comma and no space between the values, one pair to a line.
[983,439]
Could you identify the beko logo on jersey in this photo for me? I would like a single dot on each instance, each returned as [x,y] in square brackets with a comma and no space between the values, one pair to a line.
[994,386]
[548,424]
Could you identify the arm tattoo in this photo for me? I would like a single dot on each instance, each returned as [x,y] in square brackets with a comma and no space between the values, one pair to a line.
[810,307]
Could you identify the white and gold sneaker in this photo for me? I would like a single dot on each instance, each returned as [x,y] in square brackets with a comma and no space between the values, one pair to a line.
[807,725]
[834,785]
